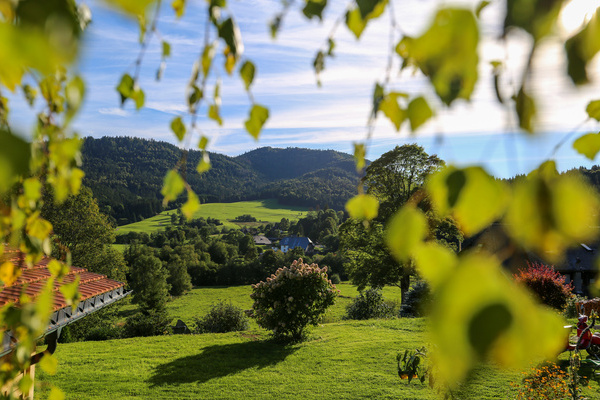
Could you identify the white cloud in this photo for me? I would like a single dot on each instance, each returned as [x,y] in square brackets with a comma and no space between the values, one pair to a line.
[114,111]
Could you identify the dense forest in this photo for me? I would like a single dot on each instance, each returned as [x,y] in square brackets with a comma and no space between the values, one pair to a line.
[125,175]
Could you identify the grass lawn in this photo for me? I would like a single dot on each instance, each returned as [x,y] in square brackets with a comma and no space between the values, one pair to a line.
[342,360]
[263,210]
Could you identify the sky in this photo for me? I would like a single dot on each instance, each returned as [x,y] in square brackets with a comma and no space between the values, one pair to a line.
[335,115]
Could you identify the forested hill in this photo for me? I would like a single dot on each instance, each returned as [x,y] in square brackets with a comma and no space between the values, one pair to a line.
[125,175]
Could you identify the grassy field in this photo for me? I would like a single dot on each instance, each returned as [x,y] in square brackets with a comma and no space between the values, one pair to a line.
[263,210]
[340,360]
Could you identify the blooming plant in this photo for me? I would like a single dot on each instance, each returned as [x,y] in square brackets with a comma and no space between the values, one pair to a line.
[546,381]
[549,285]
[292,298]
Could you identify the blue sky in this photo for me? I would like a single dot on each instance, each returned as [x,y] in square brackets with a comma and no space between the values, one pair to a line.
[335,115]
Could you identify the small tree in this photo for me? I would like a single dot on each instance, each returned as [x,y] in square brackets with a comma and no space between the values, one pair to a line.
[548,285]
[292,298]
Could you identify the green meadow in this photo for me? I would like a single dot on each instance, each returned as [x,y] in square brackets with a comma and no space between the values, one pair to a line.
[264,211]
[341,359]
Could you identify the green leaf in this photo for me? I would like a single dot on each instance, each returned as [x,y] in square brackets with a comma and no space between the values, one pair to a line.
[191,205]
[405,232]
[275,25]
[360,152]
[207,57]
[4,110]
[355,23]
[363,207]
[319,65]
[29,48]
[446,53]
[247,73]
[391,109]
[173,185]
[213,113]
[166,49]
[435,263]
[378,96]
[537,17]
[482,4]
[471,195]
[74,94]
[138,97]
[32,189]
[135,8]
[25,383]
[125,87]
[330,47]
[582,48]
[203,142]
[48,363]
[56,394]
[15,154]
[526,111]
[57,269]
[593,110]
[371,8]
[178,128]
[38,227]
[588,145]
[9,273]
[30,94]
[204,164]
[70,291]
[314,8]
[560,210]
[230,33]
[258,117]
[194,97]
[418,112]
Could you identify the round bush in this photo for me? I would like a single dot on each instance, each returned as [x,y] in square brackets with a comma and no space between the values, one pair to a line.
[417,301]
[146,323]
[292,298]
[547,284]
[369,304]
[335,279]
[222,317]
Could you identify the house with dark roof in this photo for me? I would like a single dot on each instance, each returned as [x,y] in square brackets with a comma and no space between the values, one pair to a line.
[96,291]
[578,264]
[291,242]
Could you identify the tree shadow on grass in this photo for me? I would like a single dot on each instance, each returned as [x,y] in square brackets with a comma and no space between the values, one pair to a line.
[218,361]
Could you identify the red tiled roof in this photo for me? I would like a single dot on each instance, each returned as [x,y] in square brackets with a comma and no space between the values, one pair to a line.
[33,279]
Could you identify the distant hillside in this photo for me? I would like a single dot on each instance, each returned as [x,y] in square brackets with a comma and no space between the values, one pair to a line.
[126,176]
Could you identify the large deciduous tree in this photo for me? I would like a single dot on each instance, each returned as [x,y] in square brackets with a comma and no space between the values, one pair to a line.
[397,175]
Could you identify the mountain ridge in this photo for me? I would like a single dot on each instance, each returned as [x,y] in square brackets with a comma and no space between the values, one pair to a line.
[125,174]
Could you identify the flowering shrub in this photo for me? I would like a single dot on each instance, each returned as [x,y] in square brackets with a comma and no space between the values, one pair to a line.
[548,284]
[546,381]
[292,298]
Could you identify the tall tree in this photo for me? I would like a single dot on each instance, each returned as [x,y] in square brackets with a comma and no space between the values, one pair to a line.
[397,175]
[368,260]
[79,226]
[149,283]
